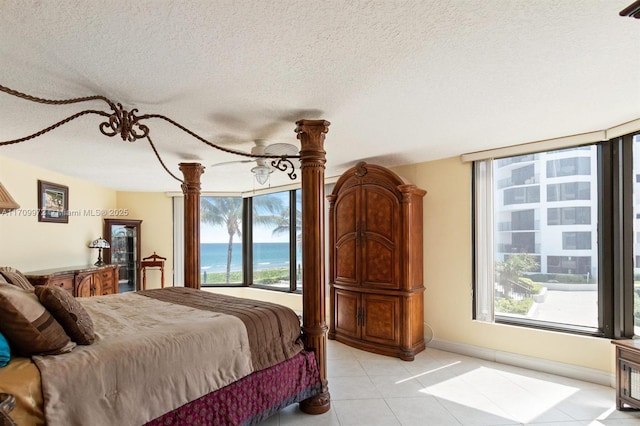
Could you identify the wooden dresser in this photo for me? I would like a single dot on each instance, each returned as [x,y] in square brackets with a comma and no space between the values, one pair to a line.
[627,373]
[376,262]
[80,281]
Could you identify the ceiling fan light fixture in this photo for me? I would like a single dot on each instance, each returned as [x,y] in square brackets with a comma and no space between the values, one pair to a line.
[262,173]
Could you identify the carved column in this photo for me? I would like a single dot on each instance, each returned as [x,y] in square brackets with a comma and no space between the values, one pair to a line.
[191,191]
[314,327]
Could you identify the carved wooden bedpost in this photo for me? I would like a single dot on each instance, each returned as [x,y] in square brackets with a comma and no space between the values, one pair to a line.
[191,191]
[314,327]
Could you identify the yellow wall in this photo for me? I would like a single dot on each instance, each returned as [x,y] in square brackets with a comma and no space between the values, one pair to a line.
[290,300]
[27,244]
[30,245]
[448,276]
[155,209]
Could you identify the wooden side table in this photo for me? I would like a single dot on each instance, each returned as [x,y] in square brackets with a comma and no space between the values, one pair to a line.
[627,373]
[152,262]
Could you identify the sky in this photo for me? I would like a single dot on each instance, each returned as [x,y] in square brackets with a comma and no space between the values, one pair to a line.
[261,234]
[218,234]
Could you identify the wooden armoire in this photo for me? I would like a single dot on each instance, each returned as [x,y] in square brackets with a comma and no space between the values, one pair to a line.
[375,262]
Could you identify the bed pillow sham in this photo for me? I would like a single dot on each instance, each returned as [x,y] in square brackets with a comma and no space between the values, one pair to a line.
[15,277]
[68,312]
[28,326]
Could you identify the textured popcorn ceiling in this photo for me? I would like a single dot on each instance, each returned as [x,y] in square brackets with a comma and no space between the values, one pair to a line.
[400,81]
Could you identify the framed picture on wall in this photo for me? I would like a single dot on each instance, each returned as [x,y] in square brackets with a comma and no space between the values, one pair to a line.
[53,202]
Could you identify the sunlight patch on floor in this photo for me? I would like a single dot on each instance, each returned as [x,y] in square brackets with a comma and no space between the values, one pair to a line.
[519,398]
[427,372]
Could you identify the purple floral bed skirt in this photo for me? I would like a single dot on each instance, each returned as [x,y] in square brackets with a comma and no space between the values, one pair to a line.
[252,398]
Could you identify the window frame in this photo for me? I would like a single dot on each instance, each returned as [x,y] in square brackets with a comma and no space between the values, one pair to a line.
[615,244]
[248,233]
[247,246]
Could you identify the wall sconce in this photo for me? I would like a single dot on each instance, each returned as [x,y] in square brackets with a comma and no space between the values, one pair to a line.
[100,244]
[7,203]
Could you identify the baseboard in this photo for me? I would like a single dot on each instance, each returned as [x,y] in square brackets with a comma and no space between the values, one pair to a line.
[538,364]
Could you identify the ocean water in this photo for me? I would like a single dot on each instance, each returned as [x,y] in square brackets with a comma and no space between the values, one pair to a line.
[213,256]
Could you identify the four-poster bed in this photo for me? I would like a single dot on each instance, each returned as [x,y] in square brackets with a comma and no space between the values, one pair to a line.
[310,359]
[312,164]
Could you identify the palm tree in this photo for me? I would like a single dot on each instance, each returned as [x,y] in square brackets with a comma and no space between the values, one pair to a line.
[283,225]
[227,211]
[269,210]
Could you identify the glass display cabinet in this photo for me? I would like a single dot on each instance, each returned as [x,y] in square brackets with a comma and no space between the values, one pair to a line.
[123,236]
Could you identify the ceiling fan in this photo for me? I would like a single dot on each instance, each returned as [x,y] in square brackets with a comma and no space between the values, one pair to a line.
[262,170]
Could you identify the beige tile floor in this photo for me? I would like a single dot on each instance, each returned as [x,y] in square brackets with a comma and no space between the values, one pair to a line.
[443,388]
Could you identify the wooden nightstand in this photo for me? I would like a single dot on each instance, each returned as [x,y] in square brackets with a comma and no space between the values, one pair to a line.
[627,373]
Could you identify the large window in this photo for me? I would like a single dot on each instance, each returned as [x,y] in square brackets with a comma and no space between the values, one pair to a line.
[570,265]
[298,220]
[523,220]
[523,175]
[569,167]
[636,231]
[558,258]
[522,195]
[221,255]
[569,216]
[576,240]
[271,242]
[251,241]
[577,269]
[569,191]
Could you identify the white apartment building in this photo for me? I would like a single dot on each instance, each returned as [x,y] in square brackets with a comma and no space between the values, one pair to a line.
[546,205]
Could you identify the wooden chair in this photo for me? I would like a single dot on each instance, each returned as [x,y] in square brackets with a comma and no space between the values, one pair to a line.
[153,261]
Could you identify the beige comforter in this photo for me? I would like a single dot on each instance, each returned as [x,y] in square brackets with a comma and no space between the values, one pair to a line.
[149,358]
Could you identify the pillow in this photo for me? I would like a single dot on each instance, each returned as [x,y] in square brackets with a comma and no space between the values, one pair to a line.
[28,326]
[15,277]
[5,352]
[68,312]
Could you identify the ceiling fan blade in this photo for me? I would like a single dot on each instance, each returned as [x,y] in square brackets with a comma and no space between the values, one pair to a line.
[281,149]
[225,163]
[261,148]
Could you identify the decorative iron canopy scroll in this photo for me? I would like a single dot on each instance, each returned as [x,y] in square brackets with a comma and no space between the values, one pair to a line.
[128,124]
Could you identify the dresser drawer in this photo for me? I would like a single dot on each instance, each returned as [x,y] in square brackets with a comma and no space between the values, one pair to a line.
[107,287]
[83,281]
[108,280]
[107,275]
[63,281]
